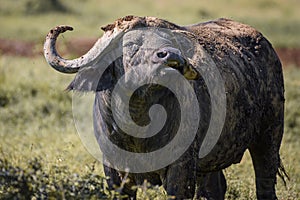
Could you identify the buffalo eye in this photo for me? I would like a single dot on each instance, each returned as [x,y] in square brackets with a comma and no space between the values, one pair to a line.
[162,54]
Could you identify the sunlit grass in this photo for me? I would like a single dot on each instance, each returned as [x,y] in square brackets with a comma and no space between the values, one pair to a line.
[36,112]
[36,122]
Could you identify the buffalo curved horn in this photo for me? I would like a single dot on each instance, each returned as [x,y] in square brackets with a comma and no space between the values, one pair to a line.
[72,66]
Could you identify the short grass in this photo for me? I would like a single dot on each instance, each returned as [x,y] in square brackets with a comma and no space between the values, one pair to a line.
[39,145]
[36,122]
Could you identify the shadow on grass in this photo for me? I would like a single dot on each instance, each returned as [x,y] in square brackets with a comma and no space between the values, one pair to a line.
[59,183]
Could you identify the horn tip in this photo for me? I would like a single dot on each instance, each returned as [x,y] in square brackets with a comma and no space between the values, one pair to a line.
[60,29]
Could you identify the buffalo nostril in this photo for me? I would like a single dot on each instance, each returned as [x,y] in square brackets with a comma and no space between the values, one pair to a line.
[162,54]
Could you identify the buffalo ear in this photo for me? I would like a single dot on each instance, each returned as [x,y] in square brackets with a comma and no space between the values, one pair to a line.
[90,79]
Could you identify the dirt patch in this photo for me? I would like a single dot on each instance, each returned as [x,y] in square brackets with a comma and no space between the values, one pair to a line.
[79,46]
[17,48]
[289,56]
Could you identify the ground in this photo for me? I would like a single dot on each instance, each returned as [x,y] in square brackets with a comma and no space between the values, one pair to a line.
[46,153]
[79,46]
[41,154]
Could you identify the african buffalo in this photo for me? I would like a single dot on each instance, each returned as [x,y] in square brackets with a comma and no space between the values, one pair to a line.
[252,80]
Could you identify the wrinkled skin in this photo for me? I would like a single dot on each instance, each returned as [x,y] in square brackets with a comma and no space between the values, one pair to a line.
[254,94]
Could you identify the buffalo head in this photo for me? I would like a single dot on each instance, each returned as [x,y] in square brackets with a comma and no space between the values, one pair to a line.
[134,44]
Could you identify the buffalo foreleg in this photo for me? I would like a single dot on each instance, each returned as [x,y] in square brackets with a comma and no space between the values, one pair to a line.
[211,185]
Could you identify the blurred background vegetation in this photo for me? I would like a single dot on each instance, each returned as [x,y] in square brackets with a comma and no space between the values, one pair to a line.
[31,19]
[40,153]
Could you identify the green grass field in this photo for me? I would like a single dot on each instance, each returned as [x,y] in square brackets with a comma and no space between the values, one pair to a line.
[41,154]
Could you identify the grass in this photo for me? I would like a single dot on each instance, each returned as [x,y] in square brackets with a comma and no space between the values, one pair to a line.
[36,122]
[40,151]
[278,19]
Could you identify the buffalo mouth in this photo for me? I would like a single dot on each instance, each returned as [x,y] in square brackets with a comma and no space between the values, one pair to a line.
[183,66]
[172,57]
